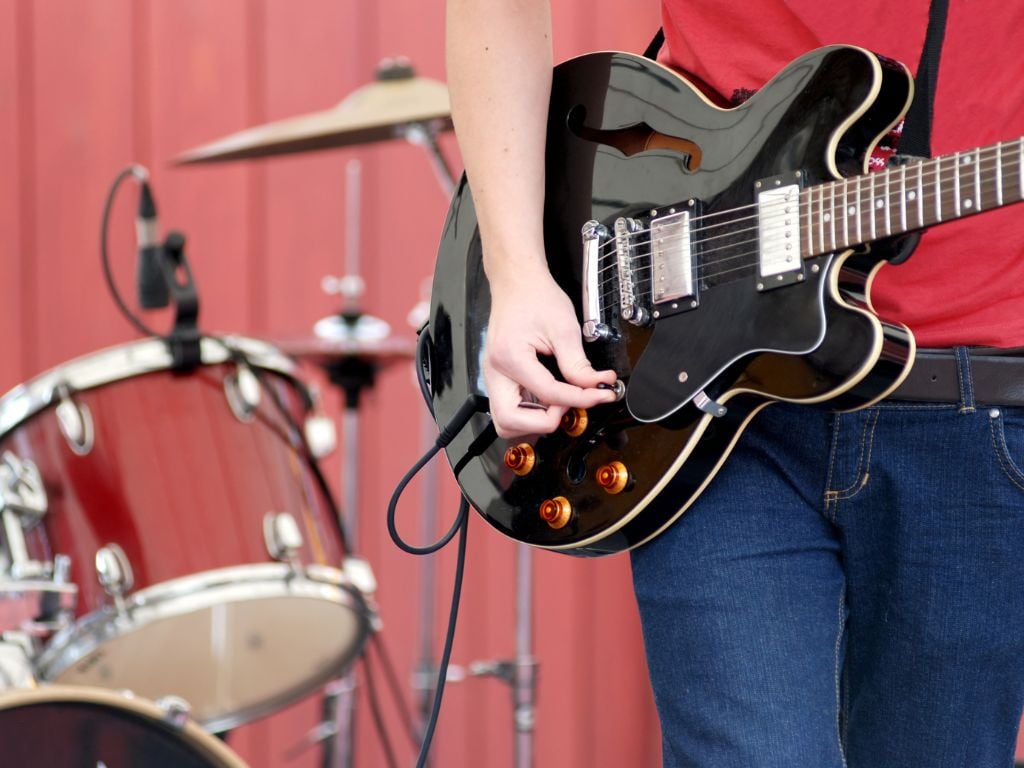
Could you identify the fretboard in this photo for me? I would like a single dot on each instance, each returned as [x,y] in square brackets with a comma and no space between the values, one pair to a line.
[857,210]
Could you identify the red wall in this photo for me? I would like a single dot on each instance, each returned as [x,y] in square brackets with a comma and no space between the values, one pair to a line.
[86,88]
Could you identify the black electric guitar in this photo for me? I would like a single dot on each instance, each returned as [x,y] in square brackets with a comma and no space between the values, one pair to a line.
[719,261]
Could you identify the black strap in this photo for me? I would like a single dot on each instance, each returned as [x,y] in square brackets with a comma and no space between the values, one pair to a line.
[917,128]
[655,45]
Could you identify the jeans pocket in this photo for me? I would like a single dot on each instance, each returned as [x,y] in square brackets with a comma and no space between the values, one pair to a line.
[1007,425]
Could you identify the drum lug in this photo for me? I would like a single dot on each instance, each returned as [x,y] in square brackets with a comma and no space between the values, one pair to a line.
[242,389]
[114,571]
[176,710]
[283,538]
[75,422]
[360,574]
[321,435]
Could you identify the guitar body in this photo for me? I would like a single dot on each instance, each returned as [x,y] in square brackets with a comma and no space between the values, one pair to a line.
[627,137]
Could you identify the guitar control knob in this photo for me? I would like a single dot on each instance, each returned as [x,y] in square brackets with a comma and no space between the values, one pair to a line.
[574,422]
[613,477]
[520,458]
[556,512]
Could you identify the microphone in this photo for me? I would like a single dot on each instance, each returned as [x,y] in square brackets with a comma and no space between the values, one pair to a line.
[152,288]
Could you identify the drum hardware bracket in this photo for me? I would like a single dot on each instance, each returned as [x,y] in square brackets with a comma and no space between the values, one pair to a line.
[176,710]
[23,503]
[16,650]
[521,676]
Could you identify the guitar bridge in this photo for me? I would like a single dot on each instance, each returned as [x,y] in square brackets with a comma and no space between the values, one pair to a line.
[594,327]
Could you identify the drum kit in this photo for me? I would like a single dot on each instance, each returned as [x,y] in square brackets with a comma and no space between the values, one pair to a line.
[167,540]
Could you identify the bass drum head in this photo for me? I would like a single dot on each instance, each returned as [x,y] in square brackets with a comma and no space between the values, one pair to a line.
[236,645]
[61,727]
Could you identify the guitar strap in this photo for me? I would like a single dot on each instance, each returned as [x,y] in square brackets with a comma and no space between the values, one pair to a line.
[917,126]
[651,52]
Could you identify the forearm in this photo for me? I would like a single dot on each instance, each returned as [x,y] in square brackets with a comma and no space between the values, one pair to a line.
[499,74]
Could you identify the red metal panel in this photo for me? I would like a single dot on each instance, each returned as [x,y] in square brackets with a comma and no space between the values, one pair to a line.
[202,86]
[135,80]
[13,106]
[82,97]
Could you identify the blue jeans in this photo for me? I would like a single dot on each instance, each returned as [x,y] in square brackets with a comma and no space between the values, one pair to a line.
[848,591]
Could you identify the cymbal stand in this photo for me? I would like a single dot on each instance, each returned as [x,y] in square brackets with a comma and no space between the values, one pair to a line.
[425,673]
[519,673]
[424,135]
[352,375]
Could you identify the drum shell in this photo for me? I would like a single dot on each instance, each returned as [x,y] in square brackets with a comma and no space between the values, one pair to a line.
[174,478]
[68,727]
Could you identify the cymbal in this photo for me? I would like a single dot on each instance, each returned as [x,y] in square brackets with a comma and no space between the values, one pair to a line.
[335,339]
[381,110]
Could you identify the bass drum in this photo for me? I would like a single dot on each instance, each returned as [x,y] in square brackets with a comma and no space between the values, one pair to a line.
[185,509]
[71,727]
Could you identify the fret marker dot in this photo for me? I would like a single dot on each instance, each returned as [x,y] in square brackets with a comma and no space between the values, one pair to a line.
[879,204]
[968,203]
[911,195]
[827,217]
[851,210]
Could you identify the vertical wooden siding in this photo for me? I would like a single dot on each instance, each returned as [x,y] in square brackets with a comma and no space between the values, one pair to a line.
[87,87]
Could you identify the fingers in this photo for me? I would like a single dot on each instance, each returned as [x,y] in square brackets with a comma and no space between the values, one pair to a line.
[508,413]
[520,364]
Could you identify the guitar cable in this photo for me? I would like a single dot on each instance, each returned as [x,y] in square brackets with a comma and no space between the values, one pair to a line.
[473,404]
[296,438]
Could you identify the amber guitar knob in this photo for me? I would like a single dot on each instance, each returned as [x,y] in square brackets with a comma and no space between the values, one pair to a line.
[520,458]
[556,512]
[613,477]
[574,422]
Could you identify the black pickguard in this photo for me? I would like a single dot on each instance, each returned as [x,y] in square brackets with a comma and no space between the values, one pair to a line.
[808,342]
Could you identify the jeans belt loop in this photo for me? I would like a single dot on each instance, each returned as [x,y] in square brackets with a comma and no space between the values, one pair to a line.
[965,379]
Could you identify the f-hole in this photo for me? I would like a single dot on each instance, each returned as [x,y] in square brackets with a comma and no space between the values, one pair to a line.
[634,139]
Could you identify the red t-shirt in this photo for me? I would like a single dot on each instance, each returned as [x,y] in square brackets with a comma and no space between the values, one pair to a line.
[965,282]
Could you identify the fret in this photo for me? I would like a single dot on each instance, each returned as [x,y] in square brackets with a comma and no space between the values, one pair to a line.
[806,198]
[887,206]
[860,234]
[871,204]
[821,218]
[999,173]
[938,188]
[903,198]
[979,203]
[846,213]
[920,194]
[1020,167]
[956,184]
[832,213]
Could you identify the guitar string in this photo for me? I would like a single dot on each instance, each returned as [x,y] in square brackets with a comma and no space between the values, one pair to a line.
[806,216]
[701,270]
[809,214]
[934,167]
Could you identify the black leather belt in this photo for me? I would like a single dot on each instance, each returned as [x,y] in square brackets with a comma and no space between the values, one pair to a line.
[997,377]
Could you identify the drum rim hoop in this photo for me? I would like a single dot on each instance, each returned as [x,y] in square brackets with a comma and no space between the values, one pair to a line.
[126,361]
[204,590]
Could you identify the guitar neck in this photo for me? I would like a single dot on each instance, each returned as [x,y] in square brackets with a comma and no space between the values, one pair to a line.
[861,209]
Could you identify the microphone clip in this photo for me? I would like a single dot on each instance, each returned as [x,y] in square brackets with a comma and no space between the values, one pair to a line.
[184,338]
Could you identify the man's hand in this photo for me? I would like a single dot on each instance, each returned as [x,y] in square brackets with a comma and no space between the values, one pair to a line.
[532,316]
